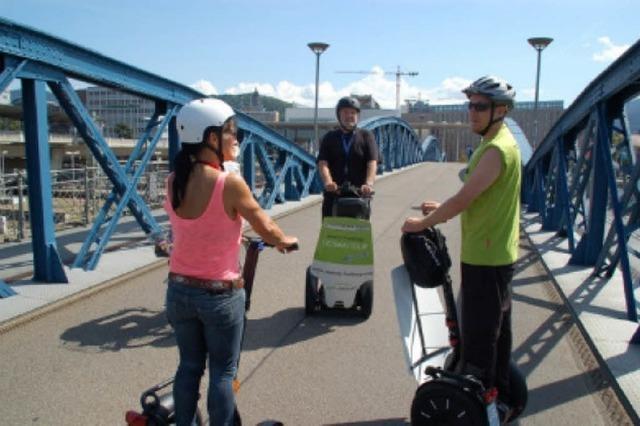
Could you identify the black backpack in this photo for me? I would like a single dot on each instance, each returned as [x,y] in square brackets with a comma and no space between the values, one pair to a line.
[426,257]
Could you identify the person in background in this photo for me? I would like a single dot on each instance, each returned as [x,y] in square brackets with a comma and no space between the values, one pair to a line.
[348,154]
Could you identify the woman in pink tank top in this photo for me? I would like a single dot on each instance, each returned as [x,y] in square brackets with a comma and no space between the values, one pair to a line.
[205,298]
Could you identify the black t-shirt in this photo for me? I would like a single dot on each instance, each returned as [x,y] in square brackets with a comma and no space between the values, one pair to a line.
[362,149]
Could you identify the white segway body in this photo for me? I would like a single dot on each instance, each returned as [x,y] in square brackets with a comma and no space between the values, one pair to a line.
[430,318]
[428,324]
[341,275]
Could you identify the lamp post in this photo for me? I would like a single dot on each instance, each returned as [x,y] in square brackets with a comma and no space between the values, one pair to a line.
[317,48]
[538,43]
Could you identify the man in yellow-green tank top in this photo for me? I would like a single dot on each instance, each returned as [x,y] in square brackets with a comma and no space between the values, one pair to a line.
[489,204]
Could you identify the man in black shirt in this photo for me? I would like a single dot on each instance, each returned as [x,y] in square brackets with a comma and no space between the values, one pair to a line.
[347,154]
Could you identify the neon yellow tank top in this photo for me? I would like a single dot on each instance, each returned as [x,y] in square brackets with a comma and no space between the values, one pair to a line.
[491,224]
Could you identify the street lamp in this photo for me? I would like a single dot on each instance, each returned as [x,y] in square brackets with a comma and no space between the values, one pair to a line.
[317,48]
[538,43]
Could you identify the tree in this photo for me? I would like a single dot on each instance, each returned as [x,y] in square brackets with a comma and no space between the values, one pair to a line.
[123,131]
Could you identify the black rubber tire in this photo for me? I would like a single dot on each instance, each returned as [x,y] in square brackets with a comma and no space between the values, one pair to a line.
[310,293]
[439,402]
[519,392]
[366,299]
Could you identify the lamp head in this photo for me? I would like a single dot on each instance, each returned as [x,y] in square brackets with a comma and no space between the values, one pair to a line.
[539,43]
[317,47]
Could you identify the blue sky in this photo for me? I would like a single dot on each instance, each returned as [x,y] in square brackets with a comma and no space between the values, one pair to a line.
[225,46]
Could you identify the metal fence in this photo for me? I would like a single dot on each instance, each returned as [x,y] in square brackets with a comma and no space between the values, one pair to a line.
[78,194]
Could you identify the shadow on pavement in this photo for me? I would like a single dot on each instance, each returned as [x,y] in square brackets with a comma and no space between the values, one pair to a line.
[380,422]
[128,328]
[139,327]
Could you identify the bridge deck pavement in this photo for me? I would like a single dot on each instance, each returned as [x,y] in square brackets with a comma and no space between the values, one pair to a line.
[89,361]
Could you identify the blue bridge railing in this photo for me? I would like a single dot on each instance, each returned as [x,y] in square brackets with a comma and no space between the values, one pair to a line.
[398,143]
[583,179]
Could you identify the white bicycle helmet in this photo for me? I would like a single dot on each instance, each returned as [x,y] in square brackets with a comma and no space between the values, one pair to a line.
[495,88]
[195,116]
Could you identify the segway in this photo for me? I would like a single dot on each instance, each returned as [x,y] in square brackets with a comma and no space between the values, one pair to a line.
[341,275]
[157,402]
[444,396]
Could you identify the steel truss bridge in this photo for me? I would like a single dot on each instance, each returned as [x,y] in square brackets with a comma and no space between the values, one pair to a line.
[276,169]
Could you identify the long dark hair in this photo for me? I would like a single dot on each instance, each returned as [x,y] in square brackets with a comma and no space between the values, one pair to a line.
[186,158]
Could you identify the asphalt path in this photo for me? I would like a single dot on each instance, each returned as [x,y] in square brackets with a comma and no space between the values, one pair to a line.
[88,362]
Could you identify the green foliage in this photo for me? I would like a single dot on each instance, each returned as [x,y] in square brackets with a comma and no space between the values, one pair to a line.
[123,131]
[8,124]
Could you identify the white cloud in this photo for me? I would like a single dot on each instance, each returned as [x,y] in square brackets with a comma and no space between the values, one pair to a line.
[381,86]
[205,87]
[610,51]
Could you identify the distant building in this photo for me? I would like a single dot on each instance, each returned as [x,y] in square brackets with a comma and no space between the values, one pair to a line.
[370,108]
[421,112]
[117,113]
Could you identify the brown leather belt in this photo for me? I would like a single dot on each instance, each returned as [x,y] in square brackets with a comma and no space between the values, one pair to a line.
[216,286]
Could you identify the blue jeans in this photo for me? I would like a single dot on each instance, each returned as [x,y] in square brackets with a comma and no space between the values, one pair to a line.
[206,325]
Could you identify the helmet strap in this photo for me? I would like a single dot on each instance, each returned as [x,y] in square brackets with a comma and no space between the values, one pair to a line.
[492,120]
[218,150]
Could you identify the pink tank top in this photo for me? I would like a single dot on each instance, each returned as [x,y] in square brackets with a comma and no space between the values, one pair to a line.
[208,246]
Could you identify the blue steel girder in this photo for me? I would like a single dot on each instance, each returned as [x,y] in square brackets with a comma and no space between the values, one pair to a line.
[558,194]
[550,193]
[6,290]
[101,151]
[630,205]
[564,210]
[47,262]
[142,153]
[581,176]
[9,72]
[589,246]
[394,137]
[280,161]
[87,65]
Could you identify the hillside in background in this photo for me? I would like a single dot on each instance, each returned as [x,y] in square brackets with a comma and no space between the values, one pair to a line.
[256,102]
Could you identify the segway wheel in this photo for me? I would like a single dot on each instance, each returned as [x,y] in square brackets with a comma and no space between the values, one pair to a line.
[366,299]
[519,392]
[311,293]
[439,402]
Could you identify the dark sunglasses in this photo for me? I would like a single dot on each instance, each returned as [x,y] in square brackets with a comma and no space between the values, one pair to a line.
[478,106]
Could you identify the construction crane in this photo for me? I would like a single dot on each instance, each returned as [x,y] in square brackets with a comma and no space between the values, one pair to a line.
[398,73]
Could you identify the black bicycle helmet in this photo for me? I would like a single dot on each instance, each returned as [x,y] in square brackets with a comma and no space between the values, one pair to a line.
[495,88]
[347,102]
